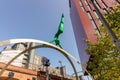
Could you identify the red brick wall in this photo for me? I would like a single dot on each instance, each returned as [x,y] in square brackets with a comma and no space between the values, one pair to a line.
[24,74]
[87,25]
[19,73]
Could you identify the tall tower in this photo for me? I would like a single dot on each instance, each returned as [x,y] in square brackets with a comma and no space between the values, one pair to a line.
[86,22]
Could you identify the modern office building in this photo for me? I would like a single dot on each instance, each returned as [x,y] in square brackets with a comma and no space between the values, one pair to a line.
[86,22]
[28,60]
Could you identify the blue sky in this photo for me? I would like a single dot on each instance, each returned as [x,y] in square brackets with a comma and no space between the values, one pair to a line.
[39,19]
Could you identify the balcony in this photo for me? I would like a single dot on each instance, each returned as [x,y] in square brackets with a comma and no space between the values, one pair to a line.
[24,61]
[26,54]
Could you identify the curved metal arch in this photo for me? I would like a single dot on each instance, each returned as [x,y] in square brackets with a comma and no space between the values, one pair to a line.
[39,46]
[13,41]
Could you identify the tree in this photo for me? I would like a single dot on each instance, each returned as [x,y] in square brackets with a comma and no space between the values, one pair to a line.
[104,63]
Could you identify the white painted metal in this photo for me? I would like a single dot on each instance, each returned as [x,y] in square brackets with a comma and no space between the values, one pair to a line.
[13,41]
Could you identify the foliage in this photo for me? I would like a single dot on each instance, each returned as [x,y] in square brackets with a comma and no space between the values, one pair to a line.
[104,63]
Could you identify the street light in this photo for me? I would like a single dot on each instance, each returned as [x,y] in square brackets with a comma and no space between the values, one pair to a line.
[46,63]
[106,25]
[60,63]
[61,70]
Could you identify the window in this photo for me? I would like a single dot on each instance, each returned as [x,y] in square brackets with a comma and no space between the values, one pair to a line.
[105,11]
[95,27]
[95,14]
[104,4]
[33,78]
[86,2]
[99,21]
[81,6]
[80,3]
[97,5]
[93,23]
[89,15]
[98,33]
[88,7]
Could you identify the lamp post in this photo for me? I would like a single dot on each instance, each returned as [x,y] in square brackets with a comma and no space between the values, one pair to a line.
[106,25]
[46,63]
[60,63]
[61,70]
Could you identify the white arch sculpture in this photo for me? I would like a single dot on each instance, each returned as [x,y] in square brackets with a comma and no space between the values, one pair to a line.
[49,45]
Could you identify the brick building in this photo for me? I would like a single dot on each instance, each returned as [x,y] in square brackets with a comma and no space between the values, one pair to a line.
[28,66]
[86,22]
[20,73]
